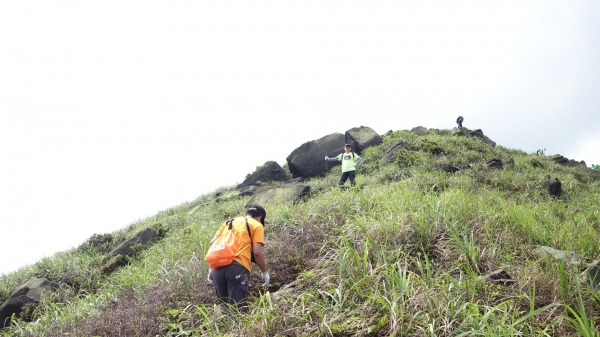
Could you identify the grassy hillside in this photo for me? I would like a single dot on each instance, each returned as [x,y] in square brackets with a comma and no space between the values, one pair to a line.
[400,256]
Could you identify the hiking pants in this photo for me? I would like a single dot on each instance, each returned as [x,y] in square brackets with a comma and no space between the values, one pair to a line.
[346,175]
[231,284]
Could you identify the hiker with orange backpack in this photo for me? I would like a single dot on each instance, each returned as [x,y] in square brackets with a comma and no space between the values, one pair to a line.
[349,161]
[237,244]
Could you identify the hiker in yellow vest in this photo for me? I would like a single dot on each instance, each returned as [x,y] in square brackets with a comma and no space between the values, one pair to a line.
[349,161]
[231,281]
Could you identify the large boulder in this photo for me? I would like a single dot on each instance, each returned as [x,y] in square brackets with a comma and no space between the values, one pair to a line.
[118,257]
[29,292]
[475,133]
[308,160]
[362,137]
[567,162]
[420,130]
[268,172]
[283,194]
[388,156]
[494,163]
[239,192]
[479,134]
[552,186]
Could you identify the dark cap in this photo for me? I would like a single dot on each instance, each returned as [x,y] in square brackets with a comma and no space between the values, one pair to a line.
[348,145]
[257,210]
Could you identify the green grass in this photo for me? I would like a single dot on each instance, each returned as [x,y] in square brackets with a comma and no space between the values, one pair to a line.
[401,256]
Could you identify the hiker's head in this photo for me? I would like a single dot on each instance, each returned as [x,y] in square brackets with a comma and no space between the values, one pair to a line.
[348,148]
[256,212]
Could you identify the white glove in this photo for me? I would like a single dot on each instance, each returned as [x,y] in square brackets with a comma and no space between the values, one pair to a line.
[326,157]
[209,278]
[266,278]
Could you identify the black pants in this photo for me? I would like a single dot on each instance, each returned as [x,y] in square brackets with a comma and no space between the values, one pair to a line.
[346,175]
[231,284]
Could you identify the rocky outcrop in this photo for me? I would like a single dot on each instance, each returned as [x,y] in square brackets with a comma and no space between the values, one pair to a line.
[362,137]
[388,156]
[420,130]
[240,192]
[29,292]
[308,160]
[499,277]
[278,194]
[475,133]
[567,162]
[494,163]
[479,134]
[270,171]
[508,162]
[119,256]
[552,186]
[449,169]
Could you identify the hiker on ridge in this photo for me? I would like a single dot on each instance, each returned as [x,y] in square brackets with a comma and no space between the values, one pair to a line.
[540,152]
[596,167]
[231,281]
[349,161]
[459,121]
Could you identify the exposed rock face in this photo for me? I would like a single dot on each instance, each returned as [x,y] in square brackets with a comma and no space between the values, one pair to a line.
[494,163]
[118,256]
[240,192]
[479,134]
[285,193]
[420,130]
[388,156]
[549,252]
[567,162]
[308,160]
[268,172]
[475,133]
[450,169]
[362,137]
[508,162]
[499,276]
[29,292]
[553,186]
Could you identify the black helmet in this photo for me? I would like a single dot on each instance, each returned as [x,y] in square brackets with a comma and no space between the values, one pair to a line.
[257,210]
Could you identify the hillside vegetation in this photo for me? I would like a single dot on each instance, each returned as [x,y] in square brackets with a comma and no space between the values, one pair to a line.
[401,255]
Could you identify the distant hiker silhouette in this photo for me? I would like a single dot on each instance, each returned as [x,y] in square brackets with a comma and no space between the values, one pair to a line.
[459,121]
[540,152]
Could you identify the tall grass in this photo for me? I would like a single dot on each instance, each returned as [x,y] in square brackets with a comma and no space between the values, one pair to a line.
[401,256]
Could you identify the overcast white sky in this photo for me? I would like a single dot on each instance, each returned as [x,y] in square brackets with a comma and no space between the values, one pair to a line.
[111,111]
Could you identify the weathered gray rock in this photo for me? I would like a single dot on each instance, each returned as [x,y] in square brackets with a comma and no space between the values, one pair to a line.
[567,162]
[420,130]
[270,171]
[593,276]
[499,276]
[118,257]
[241,192]
[362,137]
[449,169]
[552,186]
[479,134]
[273,194]
[549,252]
[475,133]
[388,156]
[508,162]
[308,160]
[494,163]
[29,292]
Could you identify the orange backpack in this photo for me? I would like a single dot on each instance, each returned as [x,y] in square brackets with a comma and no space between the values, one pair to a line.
[224,249]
